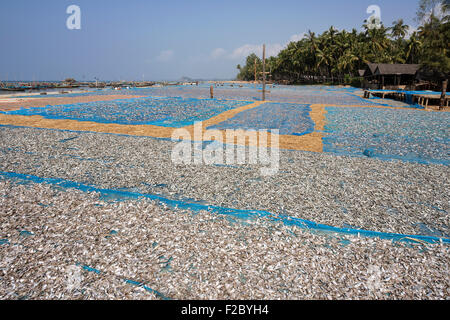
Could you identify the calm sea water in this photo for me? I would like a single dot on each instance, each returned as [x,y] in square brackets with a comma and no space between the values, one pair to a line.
[3,92]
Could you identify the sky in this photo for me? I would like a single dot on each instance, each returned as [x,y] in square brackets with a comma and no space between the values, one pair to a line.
[165,39]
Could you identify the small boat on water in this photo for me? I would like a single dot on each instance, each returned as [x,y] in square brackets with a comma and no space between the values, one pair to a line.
[22,86]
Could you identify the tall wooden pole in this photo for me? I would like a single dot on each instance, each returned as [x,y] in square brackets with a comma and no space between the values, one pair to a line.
[264,74]
[256,76]
[444,90]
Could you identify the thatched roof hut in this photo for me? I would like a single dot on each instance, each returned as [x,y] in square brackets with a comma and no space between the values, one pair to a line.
[370,69]
[396,69]
[391,75]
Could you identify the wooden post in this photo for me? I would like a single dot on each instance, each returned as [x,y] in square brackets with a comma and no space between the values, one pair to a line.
[256,77]
[211,91]
[444,90]
[264,74]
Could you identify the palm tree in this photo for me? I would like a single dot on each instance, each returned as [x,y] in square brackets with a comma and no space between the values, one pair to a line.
[324,60]
[346,61]
[413,48]
[340,53]
[311,37]
[399,30]
[435,36]
[427,9]
[378,42]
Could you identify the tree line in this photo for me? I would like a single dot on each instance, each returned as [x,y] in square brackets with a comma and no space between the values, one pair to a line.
[336,56]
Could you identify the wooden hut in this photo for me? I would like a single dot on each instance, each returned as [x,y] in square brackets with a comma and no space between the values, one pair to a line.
[390,76]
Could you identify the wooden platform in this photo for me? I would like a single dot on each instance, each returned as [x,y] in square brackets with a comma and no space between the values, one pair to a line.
[426,100]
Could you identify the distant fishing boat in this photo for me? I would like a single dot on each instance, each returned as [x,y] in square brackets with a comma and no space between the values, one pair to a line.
[67,86]
[13,88]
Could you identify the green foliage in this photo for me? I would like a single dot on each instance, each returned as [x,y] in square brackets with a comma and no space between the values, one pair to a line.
[435,51]
[247,73]
[336,56]
[430,8]
[356,82]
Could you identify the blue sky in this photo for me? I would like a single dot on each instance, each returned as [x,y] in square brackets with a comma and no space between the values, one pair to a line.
[164,39]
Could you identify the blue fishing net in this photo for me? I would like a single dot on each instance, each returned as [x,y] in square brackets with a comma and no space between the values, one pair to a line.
[221,211]
[314,94]
[166,112]
[388,134]
[288,118]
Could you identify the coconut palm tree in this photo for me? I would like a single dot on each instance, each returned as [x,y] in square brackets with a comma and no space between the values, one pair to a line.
[378,43]
[346,62]
[399,30]
[435,36]
[413,48]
